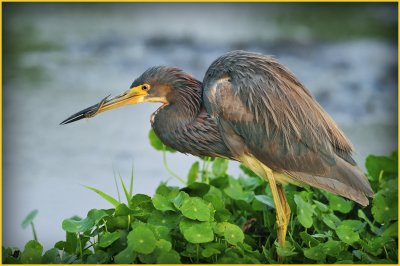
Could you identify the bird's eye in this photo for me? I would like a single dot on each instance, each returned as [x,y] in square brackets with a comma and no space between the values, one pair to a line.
[145,87]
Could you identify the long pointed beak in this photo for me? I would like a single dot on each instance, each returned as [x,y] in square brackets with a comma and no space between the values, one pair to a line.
[132,96]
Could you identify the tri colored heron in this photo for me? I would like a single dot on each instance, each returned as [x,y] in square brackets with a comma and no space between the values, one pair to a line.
[252,109]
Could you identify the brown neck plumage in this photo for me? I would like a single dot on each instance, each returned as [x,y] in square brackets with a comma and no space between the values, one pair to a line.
[184,104]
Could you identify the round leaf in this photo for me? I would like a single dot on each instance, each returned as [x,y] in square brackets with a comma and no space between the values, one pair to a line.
[338,203]
[109,238]
[304,211]
[195,209]
[220,166]
[162,203]
[32,253]
[52,256]
[142,240]
[74,226]
[347,234]
[164,245]
[171,257]
[315,253]
[267,200]
[209,251]
[384,207]
[163,219]
[29,218]
[233,234]
[196,232]
[96,215]
[125,256]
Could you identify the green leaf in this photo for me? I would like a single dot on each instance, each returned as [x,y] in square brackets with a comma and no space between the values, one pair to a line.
[142,240]
[220,166]
[331,220]
[305,211]
[235,191]
[167,191]
[170,257]
[356,225]
[126,192]
[376,164]
[267,200]
[96,215]
[286,251]
[117,222]
[347,234]
[142,205]
[77,226]
[71,243]
[385,206]
[196,232]
[209,251]
[52,256]
[108,238]
[197,189]
[157,143]
[32,253]
[233,234]
[164,245]
[179,199]
[222,215]
[104,196]
[100,257]
[123,210]
[362,215]
[29,218]
[126,256]
[308,239]
[162,203]
[160,232]
[391,230]
[163,219]
[333,248]
[193,174]
[321,206]
[195,209]
[316,253]
[214,196]
[337,203]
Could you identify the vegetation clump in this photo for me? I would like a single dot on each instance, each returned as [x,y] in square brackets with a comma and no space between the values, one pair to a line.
[217,218]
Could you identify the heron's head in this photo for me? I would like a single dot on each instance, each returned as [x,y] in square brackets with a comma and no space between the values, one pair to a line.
[157,84]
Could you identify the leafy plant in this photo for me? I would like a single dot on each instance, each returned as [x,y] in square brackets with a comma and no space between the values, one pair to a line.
[217,218]
[29,221]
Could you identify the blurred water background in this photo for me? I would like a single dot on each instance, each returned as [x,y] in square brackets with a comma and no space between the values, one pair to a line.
[60,58]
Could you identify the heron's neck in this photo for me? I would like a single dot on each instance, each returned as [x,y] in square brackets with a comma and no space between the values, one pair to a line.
[183,108]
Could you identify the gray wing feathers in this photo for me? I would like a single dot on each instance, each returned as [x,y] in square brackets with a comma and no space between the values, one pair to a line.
[281,123]
[343,179]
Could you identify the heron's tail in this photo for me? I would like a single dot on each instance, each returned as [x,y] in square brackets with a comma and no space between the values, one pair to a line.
[343,179]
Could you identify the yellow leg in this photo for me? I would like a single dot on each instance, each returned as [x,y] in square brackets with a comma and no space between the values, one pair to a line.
[281,206]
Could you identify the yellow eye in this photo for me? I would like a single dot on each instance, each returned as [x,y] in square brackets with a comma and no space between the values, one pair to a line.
[145,87]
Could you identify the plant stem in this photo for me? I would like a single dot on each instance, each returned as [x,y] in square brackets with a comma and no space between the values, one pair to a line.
[34,232]
[203,170]
[80,245]
[169,169]
[206,170]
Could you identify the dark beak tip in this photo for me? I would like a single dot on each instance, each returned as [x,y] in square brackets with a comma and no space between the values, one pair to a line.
[88,112]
